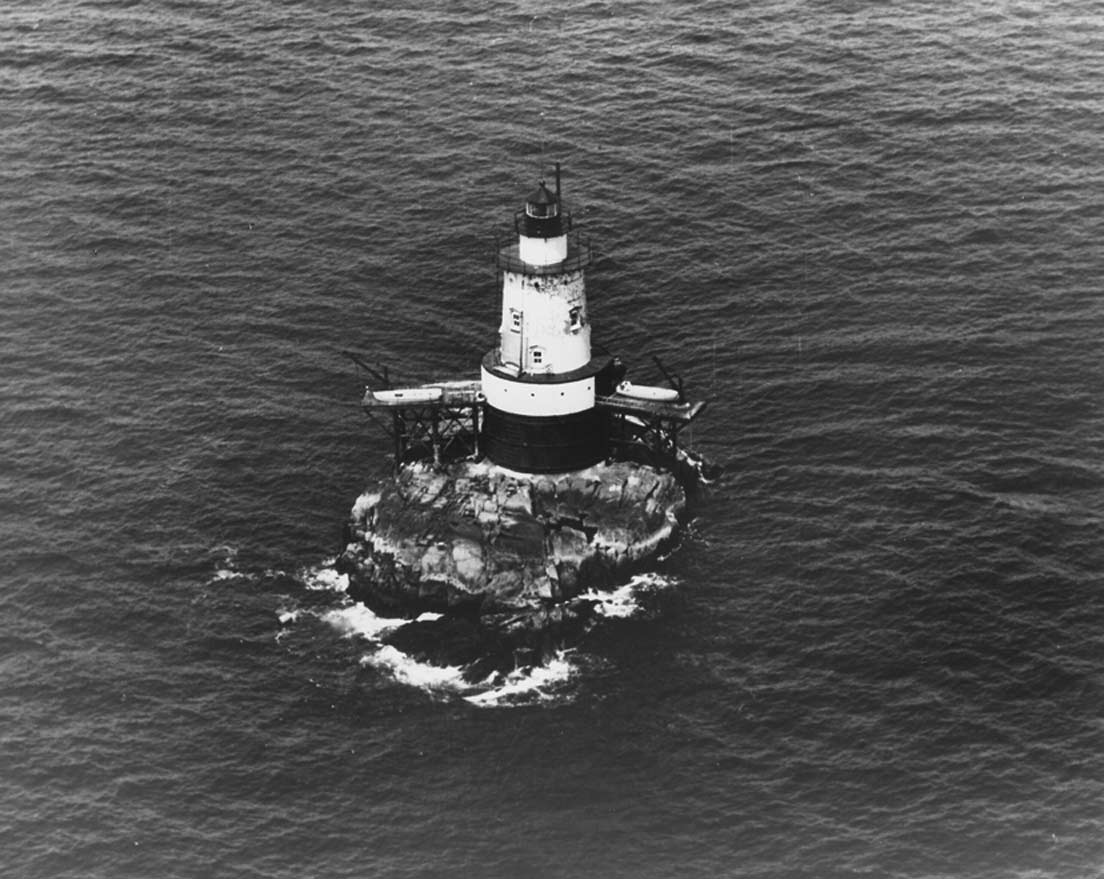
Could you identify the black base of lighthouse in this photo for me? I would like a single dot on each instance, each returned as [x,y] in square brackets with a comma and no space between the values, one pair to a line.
[545,444]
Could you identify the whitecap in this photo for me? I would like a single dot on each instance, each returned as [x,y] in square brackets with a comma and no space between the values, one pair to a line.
[524,686]
[226,563]
[356,619]
[651,581]
[624,602]
[621,603]
[407,670]
[324,578]
[528,685]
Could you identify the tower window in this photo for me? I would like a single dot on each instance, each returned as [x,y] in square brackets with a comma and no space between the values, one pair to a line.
[538,356]
[542,211]
[575,315]
[515,320]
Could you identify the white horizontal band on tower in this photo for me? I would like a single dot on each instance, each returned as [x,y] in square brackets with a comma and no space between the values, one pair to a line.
[542,251]
[530,398]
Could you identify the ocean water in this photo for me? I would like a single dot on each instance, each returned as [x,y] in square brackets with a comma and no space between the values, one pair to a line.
[870,236]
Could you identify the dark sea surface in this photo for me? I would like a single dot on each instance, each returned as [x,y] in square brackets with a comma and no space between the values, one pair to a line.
[872,237]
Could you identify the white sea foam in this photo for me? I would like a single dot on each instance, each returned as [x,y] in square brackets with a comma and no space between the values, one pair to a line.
[526,685]
[324,577]
[407,670]
[651,581]
[523,686]
[364,503]
[620,603]
[357,620]
[226,566]
[286,617]
[624,602]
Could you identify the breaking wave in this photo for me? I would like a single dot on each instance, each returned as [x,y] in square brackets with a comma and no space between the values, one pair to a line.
[548,682]
[525,685]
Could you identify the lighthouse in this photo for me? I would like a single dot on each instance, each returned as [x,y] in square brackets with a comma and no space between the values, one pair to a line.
[546,400]
[540,381]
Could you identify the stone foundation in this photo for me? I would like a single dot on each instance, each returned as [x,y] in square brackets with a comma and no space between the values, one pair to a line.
[505,555]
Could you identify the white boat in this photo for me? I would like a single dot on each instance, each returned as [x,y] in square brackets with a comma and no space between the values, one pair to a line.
[648,392]
[407,395]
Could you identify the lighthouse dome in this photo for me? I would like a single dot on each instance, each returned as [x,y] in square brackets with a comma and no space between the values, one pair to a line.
[542,203]
[542,214]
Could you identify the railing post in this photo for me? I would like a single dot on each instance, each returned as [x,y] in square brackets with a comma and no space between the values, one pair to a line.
[397,427]
[435,435]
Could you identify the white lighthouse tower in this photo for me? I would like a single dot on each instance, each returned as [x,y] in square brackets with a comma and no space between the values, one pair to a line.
[539,383]
[546,400]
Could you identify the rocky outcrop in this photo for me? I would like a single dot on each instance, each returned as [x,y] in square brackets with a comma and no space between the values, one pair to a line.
[504,556]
